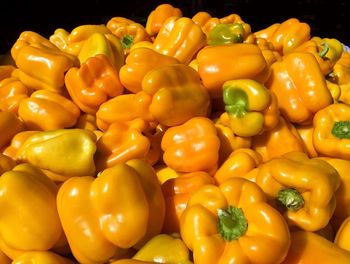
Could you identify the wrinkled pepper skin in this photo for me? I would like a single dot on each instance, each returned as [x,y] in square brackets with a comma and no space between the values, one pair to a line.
[300,87]
[62,151]
[331,136]
[176,193]
[159,15]
[138,63]
[250,107]
[47,110]
[26,191]
[308,247]
[218,64]
[12,92]
[177,94]
[10,125]
[93,83]
[41,257]
[231,223]
[180,38]
[193,146]
[303,188]
[103,217]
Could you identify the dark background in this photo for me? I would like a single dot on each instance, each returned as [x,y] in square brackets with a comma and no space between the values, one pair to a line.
[326,18]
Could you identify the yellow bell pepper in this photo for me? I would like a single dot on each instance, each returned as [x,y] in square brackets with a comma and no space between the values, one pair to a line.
[164,248]
[231,223]
[177,94]
[12,92]
[250,107]
[47,110]
[10,125]
[342,235]
[60,39]
[308,247]
[93,83]
[300,87]
[337,92]
[341,70]
[306,134]
[304,189]
[63,151]
[102,217]
[180,38]
[192,146]
[41,257]
[331,135]
[344,96]
[24,192]
[218,64]
[16,142]
[41,64]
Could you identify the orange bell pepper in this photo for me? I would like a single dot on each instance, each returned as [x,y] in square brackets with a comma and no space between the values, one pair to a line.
[6,71]
[16,142]
[46,110]
[268,51]
[6,163]
[60,39]
[176,193]
[341,70]
[306,134]
[10,125]
[93,83]
[12,92]
[231,223]
[180,38]
[41,257]
[102,217]
[138,63]
[218,64]
[4,259]
[342,235]
[300,87]
[192,146]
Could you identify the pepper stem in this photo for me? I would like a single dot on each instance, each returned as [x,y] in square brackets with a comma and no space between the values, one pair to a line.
[232,223]
[127,41]
[325,49]
[341,129]
[291,199]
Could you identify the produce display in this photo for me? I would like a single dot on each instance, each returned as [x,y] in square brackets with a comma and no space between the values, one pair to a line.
[183,140]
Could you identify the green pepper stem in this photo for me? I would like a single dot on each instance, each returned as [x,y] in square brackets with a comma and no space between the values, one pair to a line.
[325,49]
[341,129]
[127,41]
[232,223]
[291,199]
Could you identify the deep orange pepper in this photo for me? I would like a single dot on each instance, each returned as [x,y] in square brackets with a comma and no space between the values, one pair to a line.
[12,92]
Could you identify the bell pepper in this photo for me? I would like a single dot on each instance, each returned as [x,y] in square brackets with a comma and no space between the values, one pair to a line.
[63,151]
[218,64]
[341,70]
[250,107]
[180,38]
[159,15]
[6,71]
[164,248]
[86,121]
[192,146]
[41,257]
[300,87]
[268,51]
[16,142]
[201,17]
[60,39]
[176,193]
[138,63]
[308,247]
[41,64]
[336,91]
[6,163]
[127,31]
[4,259]
[268,144]
[306,134]
[177,94]
[344,96]
[25,191]
[231,223]
[46,110]
[302,188]
[12,92]
[93,83]
[240,162]
[223,34]
[342,235]
[102,217]
[331,131]
[10,125]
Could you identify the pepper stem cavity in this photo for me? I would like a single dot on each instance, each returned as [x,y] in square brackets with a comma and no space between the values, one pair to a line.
[232,223]
[127,41]
[291,199]
[236,101]
[341,129]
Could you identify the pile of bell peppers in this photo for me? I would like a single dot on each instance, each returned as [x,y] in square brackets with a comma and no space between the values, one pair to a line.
[183,140]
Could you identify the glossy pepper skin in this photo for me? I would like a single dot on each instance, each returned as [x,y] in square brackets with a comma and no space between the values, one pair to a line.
[47,110]
[331,134]
[300,87]
[177,94]
[25,191]
[305,188]
[223,34]
[308,247]
[232,222]
[10,125]
[41,257]
[12,92]
[122,208]
[250,107]
[192,146]
[180,38]
[62,151]
[218,64]
[138,63]
[93,83]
